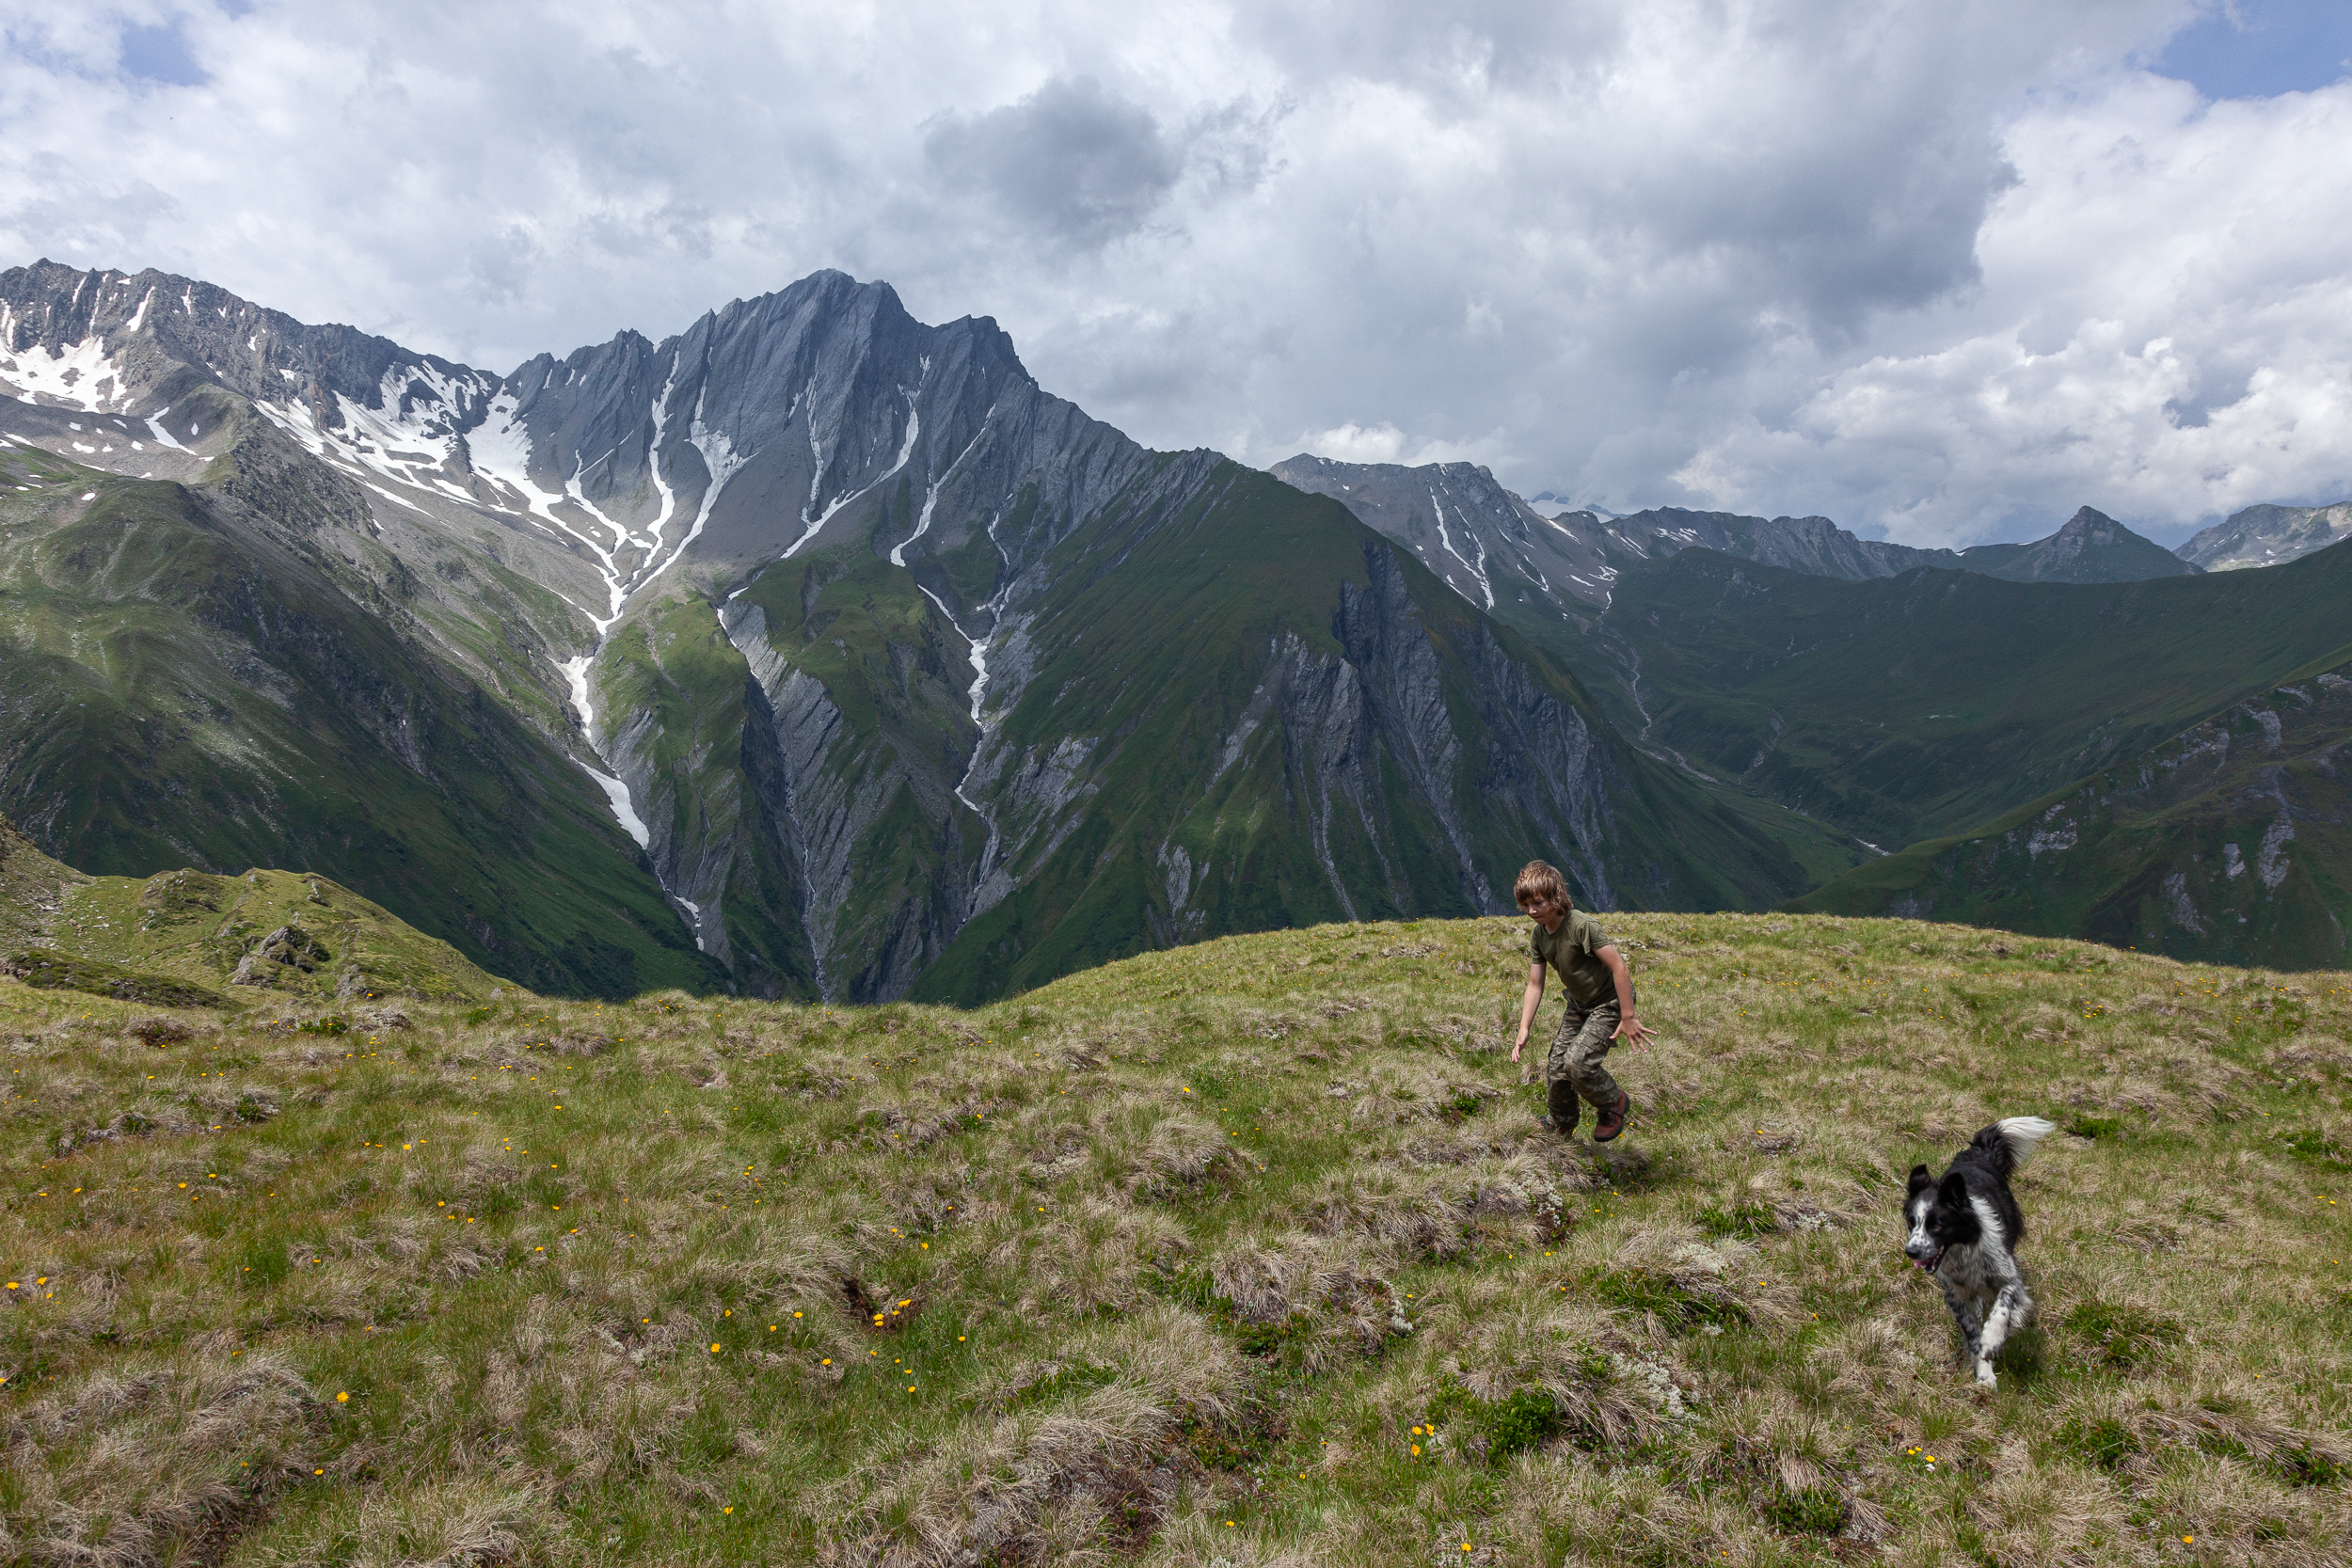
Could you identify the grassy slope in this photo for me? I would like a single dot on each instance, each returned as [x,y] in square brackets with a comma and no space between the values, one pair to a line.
[1925,705]
[194,927]
[2113,858]
[600,1284]
[1155,638]
[32,887]
[177,689]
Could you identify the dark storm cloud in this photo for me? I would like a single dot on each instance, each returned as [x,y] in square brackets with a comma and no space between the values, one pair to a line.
[1069,161]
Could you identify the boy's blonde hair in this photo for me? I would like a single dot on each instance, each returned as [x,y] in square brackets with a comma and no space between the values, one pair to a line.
[1539,880]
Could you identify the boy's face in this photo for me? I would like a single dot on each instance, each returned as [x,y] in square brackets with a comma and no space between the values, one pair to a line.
[1548,908]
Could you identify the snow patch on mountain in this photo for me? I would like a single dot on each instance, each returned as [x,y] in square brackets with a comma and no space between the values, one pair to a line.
[83,376]
[624,812]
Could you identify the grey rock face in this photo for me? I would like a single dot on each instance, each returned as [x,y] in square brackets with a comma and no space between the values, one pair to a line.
[1537,760]
[1490,545]
[2268,536]
[1814,545]
[2091,547]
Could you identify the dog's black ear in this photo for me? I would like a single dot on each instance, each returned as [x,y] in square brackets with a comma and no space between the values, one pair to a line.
[1952,1190]
[1920,1177]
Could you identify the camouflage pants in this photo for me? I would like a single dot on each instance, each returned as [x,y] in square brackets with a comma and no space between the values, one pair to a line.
[1573,1067]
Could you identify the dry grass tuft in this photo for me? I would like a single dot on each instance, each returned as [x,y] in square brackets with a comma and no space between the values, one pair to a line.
[1684,1281]
[1180,1153]
[1320,1291]
[1065,1481]
[138,1462]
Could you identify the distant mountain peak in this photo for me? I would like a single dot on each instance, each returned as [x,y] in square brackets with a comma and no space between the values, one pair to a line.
[2090,547]
[2268,536]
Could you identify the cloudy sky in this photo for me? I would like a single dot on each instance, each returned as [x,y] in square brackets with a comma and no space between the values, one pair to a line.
[1941,269]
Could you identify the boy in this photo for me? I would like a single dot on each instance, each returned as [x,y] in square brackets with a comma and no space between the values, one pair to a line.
[1600,1004]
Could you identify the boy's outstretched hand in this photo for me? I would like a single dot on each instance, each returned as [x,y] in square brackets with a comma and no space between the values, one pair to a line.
[1633,1031]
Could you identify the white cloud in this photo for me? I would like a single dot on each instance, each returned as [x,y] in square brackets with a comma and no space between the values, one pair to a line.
[2164,331]
[1896,264]
[1384,443]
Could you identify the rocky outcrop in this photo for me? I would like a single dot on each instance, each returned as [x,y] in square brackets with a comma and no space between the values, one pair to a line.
[1814,545]
[289,947]
[1486,543]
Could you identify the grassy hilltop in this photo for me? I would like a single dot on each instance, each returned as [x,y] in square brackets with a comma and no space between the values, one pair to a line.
[1247,1253]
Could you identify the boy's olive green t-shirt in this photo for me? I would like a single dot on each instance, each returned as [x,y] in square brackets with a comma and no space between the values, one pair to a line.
[1574,951]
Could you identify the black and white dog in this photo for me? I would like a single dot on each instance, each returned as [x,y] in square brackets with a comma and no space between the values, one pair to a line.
[1964,1230]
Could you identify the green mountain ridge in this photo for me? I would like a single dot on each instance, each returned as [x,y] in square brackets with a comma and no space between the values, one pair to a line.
[1925,705]
[907,678]
[2091,547]
[189,938]
[2228,841]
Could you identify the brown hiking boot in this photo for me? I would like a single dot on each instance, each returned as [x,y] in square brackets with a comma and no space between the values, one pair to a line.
[1612,1120]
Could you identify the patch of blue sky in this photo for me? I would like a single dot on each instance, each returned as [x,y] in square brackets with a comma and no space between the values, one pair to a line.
[160,54]
[2261,48]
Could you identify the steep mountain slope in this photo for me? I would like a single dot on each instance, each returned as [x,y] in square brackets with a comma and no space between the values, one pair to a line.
[2091,547]
[2230,842]
[1548,579]
[2268,536]
[829,588]
[1927,703]
[1246,711]
[253,669]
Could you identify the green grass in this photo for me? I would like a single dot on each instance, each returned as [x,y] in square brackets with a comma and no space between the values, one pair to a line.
[1180,1260]
[192,928]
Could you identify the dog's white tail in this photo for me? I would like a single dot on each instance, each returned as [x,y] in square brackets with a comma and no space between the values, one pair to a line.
[2024,1134]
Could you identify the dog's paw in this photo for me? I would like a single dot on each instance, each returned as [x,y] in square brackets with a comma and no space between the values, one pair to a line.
[1985,1378]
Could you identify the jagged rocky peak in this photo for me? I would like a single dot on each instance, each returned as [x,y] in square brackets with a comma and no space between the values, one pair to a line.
[107,341]
[1488,545]
[1812,545]
[778,424]
[2268,536]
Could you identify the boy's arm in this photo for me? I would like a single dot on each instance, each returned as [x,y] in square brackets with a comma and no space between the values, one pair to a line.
[1629,1029]
[1529,1002]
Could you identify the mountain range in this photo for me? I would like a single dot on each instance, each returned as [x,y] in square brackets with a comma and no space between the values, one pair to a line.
[903,675]
[819,651]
